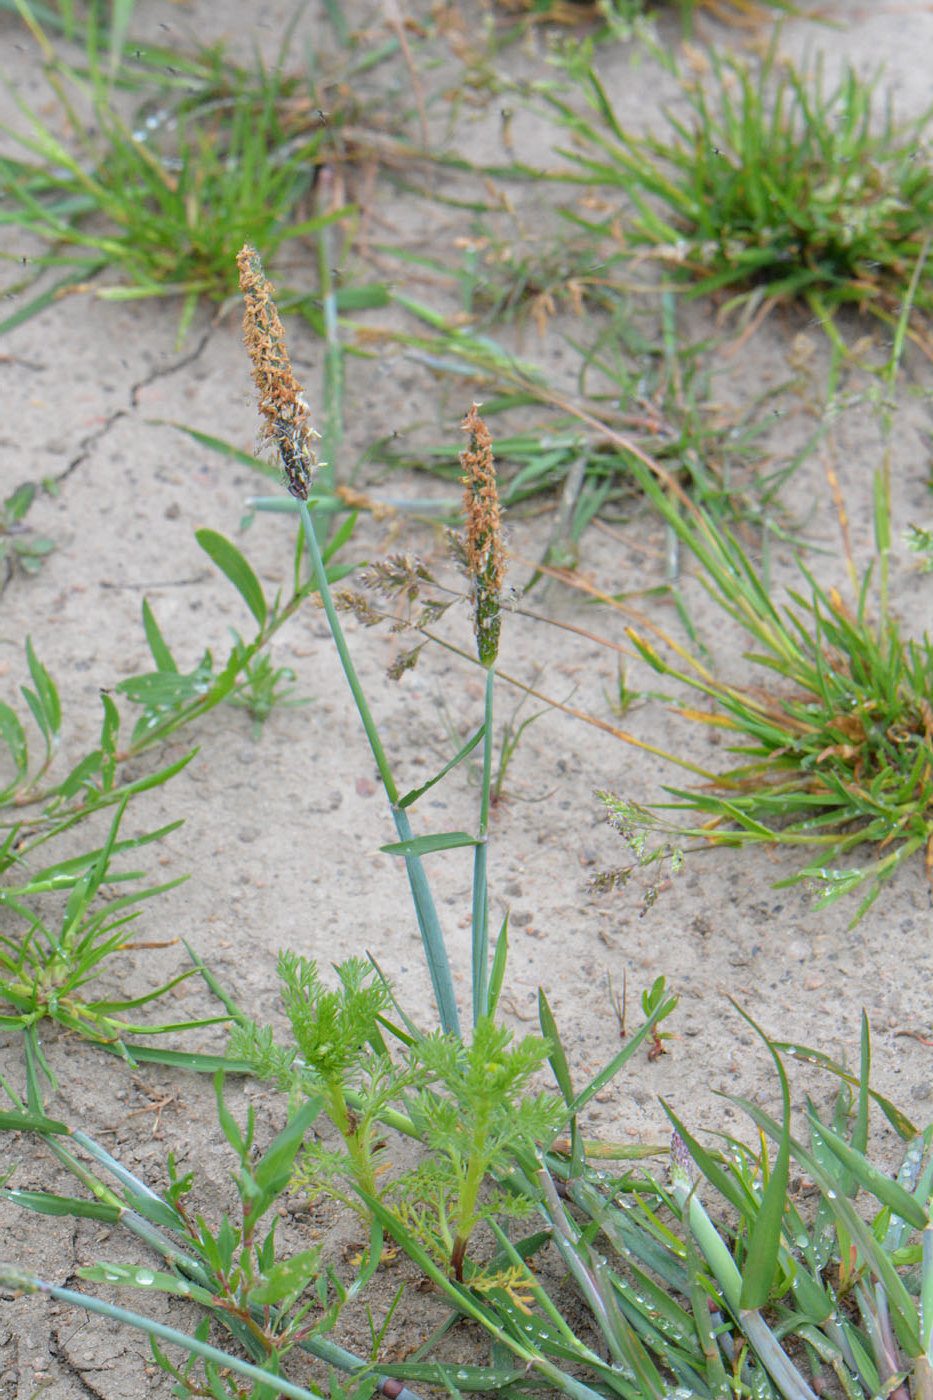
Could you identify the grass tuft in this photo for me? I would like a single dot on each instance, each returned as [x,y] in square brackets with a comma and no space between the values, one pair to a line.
[836,742]
[775,183]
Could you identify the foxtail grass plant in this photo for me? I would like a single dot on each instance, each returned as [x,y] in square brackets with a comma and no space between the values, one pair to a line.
[287,426]
[678,1298]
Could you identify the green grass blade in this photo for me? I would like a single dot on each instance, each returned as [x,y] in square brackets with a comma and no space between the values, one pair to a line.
[226,449]
[44,1203]
[424,845]
[45,690]
[556,1055]
[499,961]
[859,1138]
[468,748]
[161,654]
[765,1236]
[888,1192]
[14,737]
[22,1122]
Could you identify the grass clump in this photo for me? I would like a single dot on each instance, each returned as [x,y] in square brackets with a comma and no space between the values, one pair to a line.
[166,209]
[836,742]
[163,200]
[615,13]
[775,184]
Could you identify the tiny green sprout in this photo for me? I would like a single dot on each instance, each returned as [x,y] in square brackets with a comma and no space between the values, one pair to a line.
[625,697]
[20,549]
[920,541]
[651,999]
[264,687]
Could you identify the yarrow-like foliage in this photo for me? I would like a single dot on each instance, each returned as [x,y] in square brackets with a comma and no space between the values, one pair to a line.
[287,424]
[485,558]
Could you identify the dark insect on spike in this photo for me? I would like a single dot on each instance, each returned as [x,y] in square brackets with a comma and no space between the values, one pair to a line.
[296,458]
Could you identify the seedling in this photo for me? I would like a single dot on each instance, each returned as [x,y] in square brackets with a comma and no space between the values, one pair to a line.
[919,540]
[479,1118]
[20,548]
[625,696]
[264,688]
[653,1002]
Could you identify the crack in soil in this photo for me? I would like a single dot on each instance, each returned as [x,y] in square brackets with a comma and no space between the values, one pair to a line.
[68,1368]
[87,444]
[166,371]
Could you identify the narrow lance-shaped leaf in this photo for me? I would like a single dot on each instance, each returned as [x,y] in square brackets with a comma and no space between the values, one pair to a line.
[13,735]
[45,687]
[161,654]
[424,845]
[238,570]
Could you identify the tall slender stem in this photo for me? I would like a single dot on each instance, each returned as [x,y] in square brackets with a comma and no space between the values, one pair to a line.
[431,935]
[480,923]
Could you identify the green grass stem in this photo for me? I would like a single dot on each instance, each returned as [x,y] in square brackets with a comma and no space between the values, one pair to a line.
[431,934]
[480,915]
[22,1281]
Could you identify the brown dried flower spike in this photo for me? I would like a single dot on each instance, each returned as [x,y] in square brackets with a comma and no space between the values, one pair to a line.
[287,424]
[484,554]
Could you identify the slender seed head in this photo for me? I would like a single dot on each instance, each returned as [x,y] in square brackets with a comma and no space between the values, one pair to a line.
[485,557]
[287,423]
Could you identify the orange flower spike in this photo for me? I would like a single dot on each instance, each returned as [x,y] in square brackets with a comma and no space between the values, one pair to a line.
[485,557]
[287,422]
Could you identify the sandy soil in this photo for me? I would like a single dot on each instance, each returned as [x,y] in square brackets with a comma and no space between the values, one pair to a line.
[282,834]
